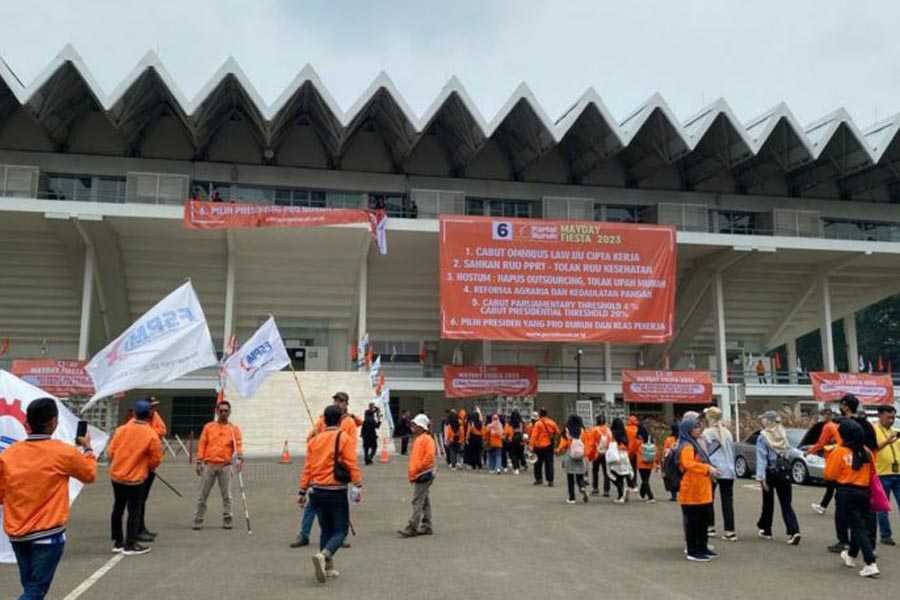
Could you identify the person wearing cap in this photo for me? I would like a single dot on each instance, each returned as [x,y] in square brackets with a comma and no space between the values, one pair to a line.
[134,451]
[321,487]
[348,423]
[828,440]
[219,446]
[159,426]
[34,493]
[421,472]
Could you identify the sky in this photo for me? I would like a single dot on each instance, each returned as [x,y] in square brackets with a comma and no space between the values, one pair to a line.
[815,55]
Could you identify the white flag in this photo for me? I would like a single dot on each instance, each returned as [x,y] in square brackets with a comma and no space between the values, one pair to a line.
[15,396]
[385,401]
[862,364]
[374,370]
[262,354]
[378,227]
[169,340]
[361,348]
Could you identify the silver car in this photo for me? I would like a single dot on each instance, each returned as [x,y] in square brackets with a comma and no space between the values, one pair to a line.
[803,468]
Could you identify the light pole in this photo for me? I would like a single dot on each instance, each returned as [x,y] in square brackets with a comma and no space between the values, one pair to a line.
[578,354]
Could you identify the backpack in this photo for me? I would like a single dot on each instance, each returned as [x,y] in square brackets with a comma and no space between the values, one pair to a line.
[576,449]
[648,452]
[672,471]
[780,471]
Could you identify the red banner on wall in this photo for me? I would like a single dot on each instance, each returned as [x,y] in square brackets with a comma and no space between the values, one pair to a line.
[556,281]
[230,215]
[868,388]
[62,378]
[466,382]
[667,387]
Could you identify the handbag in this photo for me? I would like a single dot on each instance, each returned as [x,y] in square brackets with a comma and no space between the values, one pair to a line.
[341,472]
[878,500]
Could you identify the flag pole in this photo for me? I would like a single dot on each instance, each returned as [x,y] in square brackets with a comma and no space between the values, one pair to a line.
[302,395]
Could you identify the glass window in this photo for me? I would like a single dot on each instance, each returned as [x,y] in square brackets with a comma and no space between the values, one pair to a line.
[861,230]
[737,222]
[501,207]
[70,187]
[111,189]
[474,206]
[621,213]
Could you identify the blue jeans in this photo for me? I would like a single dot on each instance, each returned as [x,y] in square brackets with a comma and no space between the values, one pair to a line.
[891,484]
[333,511]
[37,566]
[306,522]
[494,458]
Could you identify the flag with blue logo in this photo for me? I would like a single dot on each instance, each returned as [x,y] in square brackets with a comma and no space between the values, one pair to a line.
[168,341]
[264,353]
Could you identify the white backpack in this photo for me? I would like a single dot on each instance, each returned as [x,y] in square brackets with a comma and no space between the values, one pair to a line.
[576,449]
[603,444]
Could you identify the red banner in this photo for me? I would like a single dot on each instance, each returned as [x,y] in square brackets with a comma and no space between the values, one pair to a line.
[228,215]
[867,387]
[556,281]
[667,387]
[466,382]
[62,378]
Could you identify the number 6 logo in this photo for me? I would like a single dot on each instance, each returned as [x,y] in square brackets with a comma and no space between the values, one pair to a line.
[502,230]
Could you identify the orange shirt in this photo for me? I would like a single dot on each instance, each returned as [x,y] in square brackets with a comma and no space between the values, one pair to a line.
[492,438]
[348,425]
[134,451]
[565,441]
[508,432]
[34,485]
[669,444]
[696,486]
[828,438]
[634,444]
[421,457]
[318,468]
[839,469]
[158,425]
[219,443]
[542,433]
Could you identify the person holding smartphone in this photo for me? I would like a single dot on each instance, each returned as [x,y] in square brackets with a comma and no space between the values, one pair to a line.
[34,492]
[887,464]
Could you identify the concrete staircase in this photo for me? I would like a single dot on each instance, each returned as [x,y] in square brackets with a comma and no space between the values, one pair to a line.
[276,413]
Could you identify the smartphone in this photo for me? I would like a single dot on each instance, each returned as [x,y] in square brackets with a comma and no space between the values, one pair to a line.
[81,431]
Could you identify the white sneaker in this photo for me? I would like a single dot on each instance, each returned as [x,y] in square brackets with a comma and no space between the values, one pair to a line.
[818,508]
[764,535]
[318,561]
[516,471]
[506,470]
[870,571]
[331,573]
[849,561]
[118,549]
[619,500]
[497,471]
[569,501]
[650,501]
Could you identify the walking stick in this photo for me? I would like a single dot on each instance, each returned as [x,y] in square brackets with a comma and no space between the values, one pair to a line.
[169,485]
[244,499]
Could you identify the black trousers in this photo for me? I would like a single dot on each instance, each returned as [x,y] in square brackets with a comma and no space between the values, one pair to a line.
[404,444]
[145,493]
[517,456]
[784,492]
[545,461]
[504,455]
[853,504]
[646,492]
[620,481]
[126,496]
[370,448]
[726,496]
[829,494]
[695,518]
[596,465]
[571,480]
[632,481]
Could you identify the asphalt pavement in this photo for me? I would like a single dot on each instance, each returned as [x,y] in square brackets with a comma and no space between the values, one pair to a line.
[496,536]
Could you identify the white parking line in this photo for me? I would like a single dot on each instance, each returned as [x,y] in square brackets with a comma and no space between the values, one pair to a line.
[87,583]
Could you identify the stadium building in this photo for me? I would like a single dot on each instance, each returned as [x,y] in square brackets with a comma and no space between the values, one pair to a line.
[782,229]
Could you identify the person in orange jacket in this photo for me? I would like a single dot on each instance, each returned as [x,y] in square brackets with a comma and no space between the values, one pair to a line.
[159,426]
[695,490]
[421,472]
[828,440]
[600,438]
[850,467]
[134,451]
[634,447]
[220,445]
[493,438]
[34,493]
[647,461]
[321,486]
[543,430]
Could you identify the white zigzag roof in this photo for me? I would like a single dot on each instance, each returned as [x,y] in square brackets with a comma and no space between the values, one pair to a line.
[587,132]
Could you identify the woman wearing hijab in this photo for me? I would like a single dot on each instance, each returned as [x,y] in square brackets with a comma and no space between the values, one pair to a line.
[720,448]
[620,438]
[695,490]
[452,436]
[850,468]
[494,442]
[774,477]
[646,462]
[574,463]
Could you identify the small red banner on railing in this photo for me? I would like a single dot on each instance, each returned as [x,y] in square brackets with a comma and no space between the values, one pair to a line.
[667,387]
[869,388]
[512,380]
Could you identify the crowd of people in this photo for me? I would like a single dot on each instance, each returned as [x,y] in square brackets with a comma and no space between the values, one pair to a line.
[862,467]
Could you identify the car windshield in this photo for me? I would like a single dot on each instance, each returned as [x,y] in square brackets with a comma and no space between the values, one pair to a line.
[795,436]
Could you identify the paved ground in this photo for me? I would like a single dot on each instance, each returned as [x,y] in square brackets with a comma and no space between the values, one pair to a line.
[496,537]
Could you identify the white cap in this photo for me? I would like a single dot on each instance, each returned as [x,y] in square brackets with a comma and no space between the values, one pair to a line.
[422,421]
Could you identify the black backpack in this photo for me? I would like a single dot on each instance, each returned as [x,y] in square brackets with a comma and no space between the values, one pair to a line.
[672,471]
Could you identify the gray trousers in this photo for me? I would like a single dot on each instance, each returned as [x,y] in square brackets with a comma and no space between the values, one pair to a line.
[211,474]
[421,506]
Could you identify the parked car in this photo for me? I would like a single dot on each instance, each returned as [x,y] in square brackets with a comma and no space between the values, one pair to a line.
[803,468]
